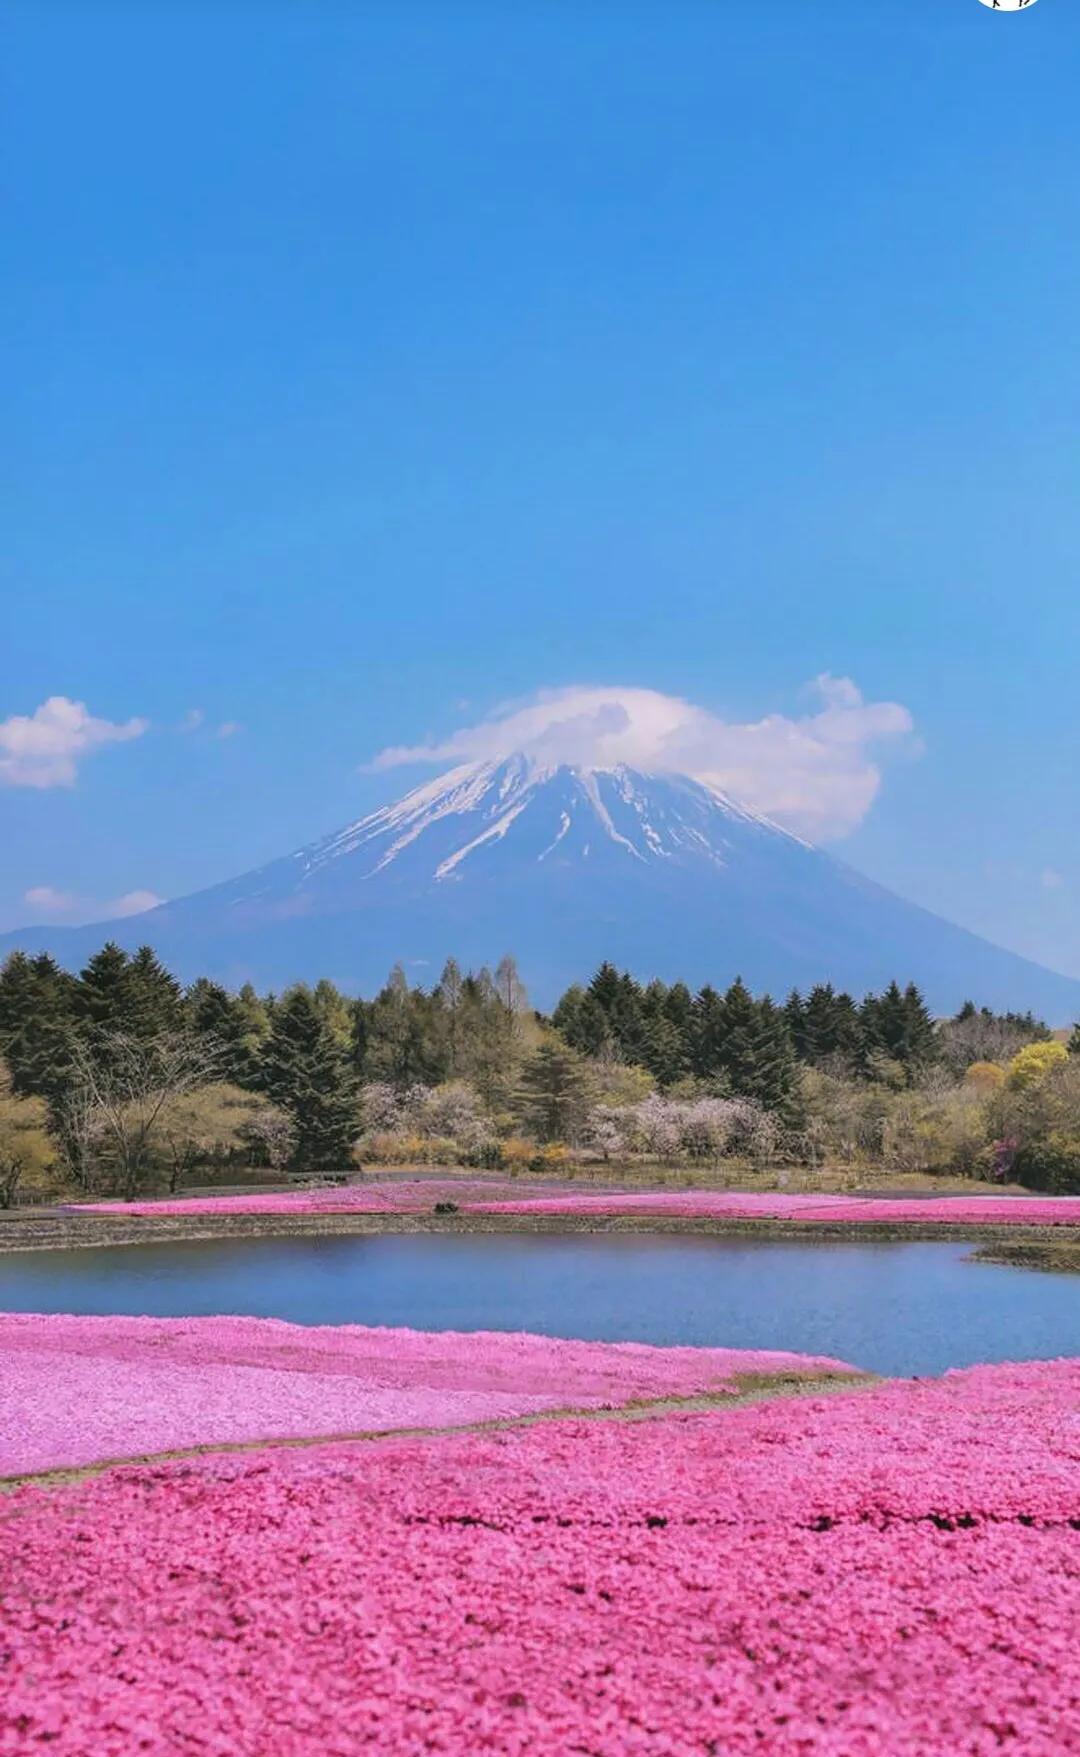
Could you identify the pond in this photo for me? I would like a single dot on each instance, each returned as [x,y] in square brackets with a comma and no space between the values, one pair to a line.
[894,1308]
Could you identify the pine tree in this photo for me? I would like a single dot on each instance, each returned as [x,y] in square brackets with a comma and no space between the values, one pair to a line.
[739,1032]
[707,1029]
[748,1045]
[566,1018]
[221,1020]
[679,1007]
[102,996]
[553,1096]
[848,1029]
[920,1035]
[775,1084]
[663,1051]
[1074,1040]
[306,1072]
[582,1022]
[627,1020]
[604,987]
[36,1025]
[830,1026]
[795,1014]
[152,998]
[897,1027]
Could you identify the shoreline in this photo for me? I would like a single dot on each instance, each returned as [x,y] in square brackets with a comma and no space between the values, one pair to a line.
[1050,1247]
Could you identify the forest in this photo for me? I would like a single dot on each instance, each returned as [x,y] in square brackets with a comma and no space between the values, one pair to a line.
[119,1080]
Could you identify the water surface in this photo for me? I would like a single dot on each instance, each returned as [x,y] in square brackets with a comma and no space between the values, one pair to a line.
[894,1308]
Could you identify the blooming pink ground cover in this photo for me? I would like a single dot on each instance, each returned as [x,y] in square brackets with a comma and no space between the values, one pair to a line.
[889,1573]
[78,1390]
[480,1197]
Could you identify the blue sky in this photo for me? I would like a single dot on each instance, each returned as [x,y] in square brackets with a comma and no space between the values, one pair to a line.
[377,365]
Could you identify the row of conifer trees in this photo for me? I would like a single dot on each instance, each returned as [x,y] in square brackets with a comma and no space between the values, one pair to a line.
[311,1049]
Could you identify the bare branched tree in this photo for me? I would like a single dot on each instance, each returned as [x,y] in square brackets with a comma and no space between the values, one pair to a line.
[11,1171]
[125,1083]
[79,1125]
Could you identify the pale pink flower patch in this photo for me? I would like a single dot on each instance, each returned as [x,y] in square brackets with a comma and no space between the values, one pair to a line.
[79,1390]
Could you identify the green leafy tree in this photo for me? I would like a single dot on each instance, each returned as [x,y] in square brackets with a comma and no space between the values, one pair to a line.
[334,1009]
[307,1073]
[400,1037]
[554,1094]
[256,1016]
[450,1006]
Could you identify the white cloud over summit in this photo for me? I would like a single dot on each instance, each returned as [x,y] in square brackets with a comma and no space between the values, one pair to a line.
[816,774]
[43,749]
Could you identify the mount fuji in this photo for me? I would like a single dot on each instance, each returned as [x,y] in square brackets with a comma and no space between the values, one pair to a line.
[565,866]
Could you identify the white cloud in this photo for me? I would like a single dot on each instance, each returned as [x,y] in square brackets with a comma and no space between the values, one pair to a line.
[816,774]
[192,720]
[49,901]
[43,749]
[228,729]
[1051,879]
[67,906]
[132,903]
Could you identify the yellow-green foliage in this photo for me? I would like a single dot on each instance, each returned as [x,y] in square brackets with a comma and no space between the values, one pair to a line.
[985,1076]
[27,1154]
[1031,1065]
[552,1155]
[207,1123]
[517,1153]
[615,1083]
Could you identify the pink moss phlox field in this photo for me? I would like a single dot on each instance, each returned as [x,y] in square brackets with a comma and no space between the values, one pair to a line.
[882,1574]
[478,1197]
[78,1390]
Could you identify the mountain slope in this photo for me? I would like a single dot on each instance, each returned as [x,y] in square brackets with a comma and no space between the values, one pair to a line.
[566,866]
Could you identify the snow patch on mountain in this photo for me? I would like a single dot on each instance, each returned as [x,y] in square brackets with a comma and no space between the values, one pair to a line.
[648,817]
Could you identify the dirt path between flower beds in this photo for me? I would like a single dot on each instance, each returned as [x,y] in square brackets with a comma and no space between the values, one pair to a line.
[753,1388]
[55,1231]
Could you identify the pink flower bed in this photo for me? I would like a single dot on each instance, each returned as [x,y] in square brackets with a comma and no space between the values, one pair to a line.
[849,1210]
[870,1575]
[77,1390]
[478,1197]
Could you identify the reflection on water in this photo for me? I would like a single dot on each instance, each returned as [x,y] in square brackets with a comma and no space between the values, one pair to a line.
[894,1308]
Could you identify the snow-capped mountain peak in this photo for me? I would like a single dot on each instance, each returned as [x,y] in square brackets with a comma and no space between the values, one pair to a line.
[565,866]
[554,811]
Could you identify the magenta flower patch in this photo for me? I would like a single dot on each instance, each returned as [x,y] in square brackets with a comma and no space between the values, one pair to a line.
[881,1574]
[476,1197]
